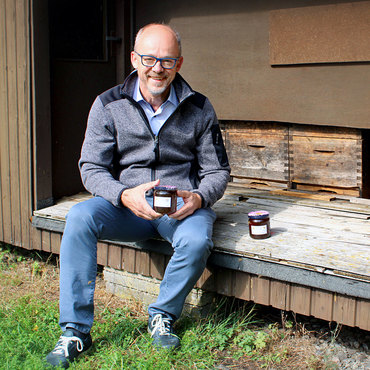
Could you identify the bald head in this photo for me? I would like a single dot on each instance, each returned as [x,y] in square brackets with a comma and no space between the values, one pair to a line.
[158,31]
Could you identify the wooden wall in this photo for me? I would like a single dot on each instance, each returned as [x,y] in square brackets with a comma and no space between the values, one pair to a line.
[15,123]
[227,47]
[286,296]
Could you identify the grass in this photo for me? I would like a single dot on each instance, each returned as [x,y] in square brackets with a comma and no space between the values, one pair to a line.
[232,336]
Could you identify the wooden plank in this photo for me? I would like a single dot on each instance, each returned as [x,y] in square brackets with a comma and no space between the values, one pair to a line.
[23,95]
[300,299]
[55,240]
[325,132]
[344,309]
[13,120]
[333,190]
[36,238]
[363,314]
[4,128]
[142,263]
[45,241]
[157,262]
[280,295]
[260,290]
[320,34]
[114,256]
[128,259]
[242,288]
[102,254]
[322,304]
[225,282]
[207,280]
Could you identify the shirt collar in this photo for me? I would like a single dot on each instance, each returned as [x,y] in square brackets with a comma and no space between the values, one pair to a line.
[139,98]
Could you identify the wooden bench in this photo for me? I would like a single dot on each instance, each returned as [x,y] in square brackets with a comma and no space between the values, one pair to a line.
[316,262]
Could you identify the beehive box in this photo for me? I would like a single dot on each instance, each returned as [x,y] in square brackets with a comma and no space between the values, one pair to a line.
[326,159]
[258,152]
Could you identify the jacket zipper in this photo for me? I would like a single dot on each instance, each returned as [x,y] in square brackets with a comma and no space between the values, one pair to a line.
[155,137]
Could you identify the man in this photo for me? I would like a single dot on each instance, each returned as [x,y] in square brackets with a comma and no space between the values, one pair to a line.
[151,129]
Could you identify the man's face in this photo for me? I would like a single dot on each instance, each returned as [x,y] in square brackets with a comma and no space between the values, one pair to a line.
[160,42]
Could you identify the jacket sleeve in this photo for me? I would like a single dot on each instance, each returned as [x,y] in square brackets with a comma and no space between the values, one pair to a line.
[214,169]
[96,163]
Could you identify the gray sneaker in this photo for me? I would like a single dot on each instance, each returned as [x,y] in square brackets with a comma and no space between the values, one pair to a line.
[68,348]
[160,328]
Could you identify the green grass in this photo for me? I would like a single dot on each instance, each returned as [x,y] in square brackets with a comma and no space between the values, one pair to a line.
[29,329]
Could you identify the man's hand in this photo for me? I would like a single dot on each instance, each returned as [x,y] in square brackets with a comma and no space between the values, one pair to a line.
[192,202]
[134,199]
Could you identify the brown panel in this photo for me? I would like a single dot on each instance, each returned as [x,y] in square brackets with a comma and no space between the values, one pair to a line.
[36,238]
[225,282]
[55,239]
[300,299]
[45,241]
[128,259]
[363,314]
[321,34]
[114,256]
[157,262]
[242,285]
[226,57]
[11,30]
[322,304]
[280,295]
[23,89]
[142,265]
[344,309]
[260,290]
[102,254]
[5,210]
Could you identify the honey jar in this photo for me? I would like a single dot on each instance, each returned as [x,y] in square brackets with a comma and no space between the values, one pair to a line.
[165,199]
[259,224]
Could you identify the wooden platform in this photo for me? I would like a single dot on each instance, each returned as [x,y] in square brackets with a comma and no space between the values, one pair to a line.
[319,243]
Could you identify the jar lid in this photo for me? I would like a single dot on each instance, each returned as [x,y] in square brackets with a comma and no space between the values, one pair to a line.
[257,215]
[165,187]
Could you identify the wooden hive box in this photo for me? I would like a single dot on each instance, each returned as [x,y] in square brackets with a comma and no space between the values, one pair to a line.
[326,159]
[258,152]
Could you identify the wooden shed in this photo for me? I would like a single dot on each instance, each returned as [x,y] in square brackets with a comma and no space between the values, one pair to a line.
[290,83]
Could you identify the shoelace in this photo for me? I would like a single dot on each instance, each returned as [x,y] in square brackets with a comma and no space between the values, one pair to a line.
[162,324]
[62,345]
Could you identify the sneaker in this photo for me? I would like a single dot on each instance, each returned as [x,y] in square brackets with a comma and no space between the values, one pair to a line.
[68,348]
[160,328]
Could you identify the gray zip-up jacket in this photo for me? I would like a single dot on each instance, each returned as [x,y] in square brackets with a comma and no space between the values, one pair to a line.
[120,150]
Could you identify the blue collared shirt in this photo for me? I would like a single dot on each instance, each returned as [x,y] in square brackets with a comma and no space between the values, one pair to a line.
[158,118]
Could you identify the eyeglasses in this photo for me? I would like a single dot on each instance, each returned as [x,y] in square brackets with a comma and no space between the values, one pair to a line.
[150,61]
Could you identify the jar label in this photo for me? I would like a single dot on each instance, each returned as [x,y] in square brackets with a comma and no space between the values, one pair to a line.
[162,202]
[259,230]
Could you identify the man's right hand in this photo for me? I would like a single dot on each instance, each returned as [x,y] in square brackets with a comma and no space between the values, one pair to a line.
[134,199]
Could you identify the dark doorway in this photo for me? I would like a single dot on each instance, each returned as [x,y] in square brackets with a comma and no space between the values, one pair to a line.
[82,65]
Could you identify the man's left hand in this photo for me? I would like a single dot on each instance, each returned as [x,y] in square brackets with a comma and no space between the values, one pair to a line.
[192,202]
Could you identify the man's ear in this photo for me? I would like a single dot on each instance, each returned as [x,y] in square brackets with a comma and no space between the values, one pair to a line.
[134,60]
[179,63]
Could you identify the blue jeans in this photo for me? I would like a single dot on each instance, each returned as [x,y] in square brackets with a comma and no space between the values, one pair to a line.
[96,219]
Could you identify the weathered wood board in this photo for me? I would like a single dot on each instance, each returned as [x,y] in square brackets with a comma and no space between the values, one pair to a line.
[313,234]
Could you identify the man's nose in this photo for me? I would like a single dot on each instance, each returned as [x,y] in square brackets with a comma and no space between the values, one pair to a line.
[157,67]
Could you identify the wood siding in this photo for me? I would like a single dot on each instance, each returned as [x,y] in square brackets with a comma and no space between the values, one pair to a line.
[15,123]
[286,296]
